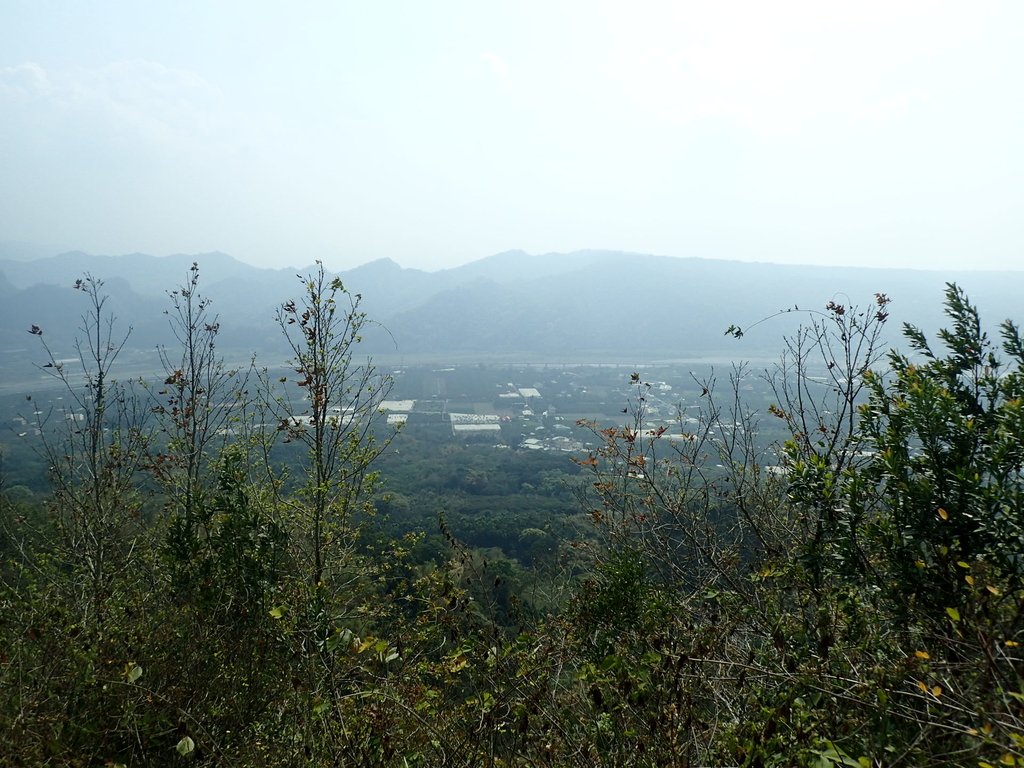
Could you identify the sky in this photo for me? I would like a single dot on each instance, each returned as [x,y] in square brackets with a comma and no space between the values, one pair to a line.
[435,133]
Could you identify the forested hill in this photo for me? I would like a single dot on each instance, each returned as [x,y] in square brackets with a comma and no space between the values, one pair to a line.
[586,304]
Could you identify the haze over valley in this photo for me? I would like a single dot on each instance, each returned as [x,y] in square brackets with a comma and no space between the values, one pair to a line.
[585,306]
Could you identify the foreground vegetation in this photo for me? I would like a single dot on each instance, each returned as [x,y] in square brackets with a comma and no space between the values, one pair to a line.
[188,597]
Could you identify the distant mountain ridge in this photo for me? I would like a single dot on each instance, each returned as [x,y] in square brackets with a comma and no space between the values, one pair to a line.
[583,305]
[146,274]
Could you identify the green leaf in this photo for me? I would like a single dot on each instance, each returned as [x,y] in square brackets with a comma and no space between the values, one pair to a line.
[953,614]
[185,746]
[132,671]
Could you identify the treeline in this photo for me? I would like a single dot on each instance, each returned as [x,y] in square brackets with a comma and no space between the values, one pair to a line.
[219,578]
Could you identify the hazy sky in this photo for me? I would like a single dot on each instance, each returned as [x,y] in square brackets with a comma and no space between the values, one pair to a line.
[878,133]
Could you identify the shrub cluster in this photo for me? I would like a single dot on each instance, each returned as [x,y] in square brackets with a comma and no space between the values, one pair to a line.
[854,599]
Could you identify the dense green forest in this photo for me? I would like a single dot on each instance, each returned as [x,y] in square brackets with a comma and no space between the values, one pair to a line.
[255,567]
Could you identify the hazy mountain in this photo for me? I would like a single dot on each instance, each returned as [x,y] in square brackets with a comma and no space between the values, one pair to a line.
[587,304]
[633,306]
[138,285]
[146,274]
[59,309]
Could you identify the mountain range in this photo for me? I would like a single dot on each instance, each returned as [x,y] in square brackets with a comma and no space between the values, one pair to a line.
[585,306]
